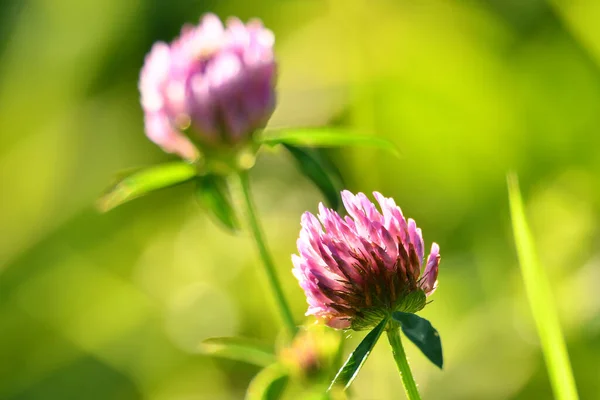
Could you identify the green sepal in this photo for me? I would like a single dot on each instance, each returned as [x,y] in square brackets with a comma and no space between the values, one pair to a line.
[369,317]
[412,302]
[422,334]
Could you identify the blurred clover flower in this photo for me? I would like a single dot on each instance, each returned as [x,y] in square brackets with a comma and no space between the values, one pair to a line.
[357,270]
[313,353]
[211,88]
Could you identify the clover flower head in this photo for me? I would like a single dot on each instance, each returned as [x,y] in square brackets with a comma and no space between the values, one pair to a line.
[357,269]
[312,353]
[213,86]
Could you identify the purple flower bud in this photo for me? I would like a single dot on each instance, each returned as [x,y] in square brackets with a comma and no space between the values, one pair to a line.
[214,83]
[358,269]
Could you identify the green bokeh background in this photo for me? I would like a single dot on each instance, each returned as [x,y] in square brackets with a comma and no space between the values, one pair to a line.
[113,306]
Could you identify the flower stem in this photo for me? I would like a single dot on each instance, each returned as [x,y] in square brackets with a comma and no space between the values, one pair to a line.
[410,387]
[269,266]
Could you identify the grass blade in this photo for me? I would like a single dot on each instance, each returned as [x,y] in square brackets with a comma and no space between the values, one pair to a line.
[539,295]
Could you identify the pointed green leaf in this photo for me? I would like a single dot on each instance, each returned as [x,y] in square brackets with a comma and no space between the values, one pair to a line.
[268,384]
[422,334]
[213,194]
[316,170]
[144,181]
[326,137]
[239,349]
[355,361]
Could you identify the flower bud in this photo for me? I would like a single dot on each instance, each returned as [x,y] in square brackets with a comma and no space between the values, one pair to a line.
[312,353]
[211,88]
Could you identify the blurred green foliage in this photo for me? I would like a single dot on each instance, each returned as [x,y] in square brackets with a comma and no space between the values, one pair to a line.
[114,306]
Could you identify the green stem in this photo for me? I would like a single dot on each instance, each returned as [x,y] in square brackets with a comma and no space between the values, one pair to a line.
[269,266]
[410,387]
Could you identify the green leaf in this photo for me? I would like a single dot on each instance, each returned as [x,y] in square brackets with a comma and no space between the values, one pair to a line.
[144,181]
[355,361]
[422,334]
[540,298]
[268,384]
[317,171]
[213,194]
[239,349]
[326,137]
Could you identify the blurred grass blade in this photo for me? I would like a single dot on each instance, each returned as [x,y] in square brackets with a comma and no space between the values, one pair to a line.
[355,361]
[213,194]
[539,295]
[239,349]
[144,181]
[268,384]
[422,334]
[315,170]
[326,137]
